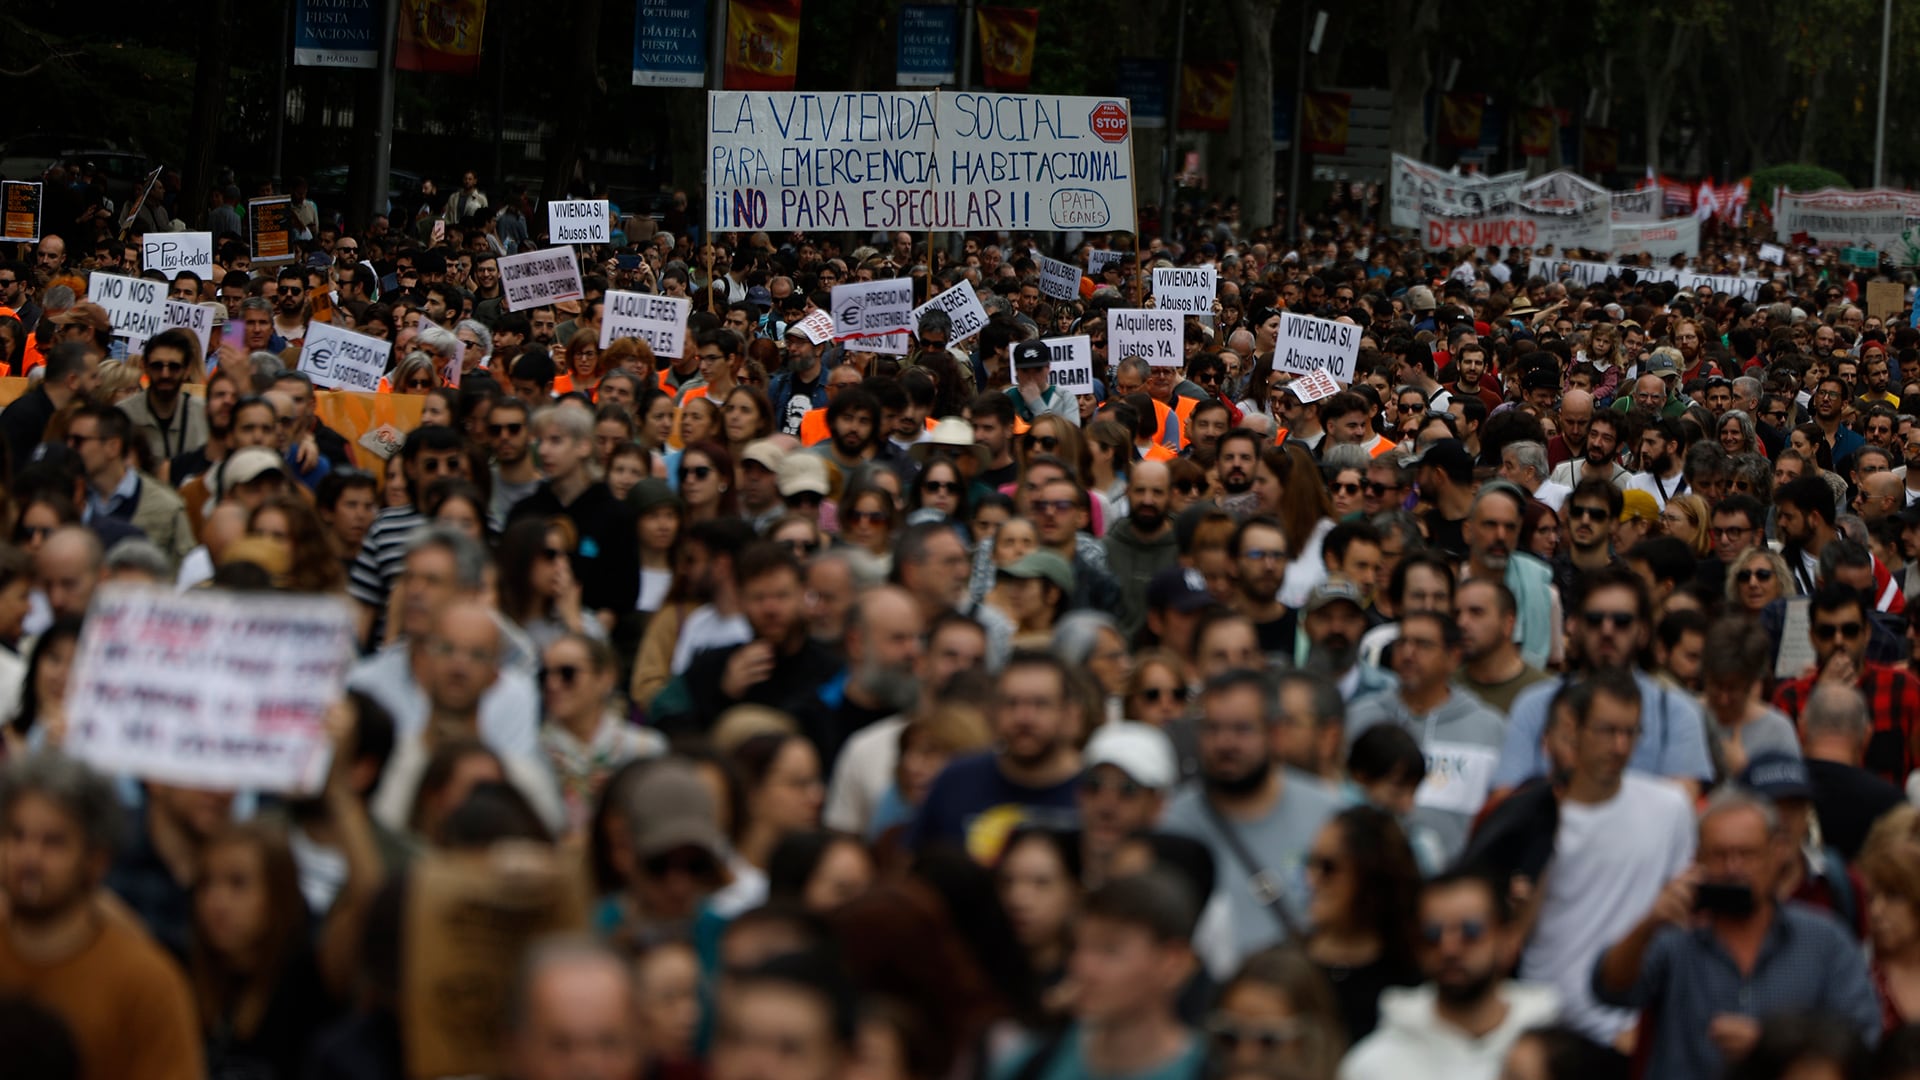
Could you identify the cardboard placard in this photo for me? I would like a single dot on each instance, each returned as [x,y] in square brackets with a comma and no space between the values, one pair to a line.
[209,689]
[818,326]
[1186,289]
[20,211]
[534,279]
[135,305]
[1072,368]
[343,360]
[172,252]
[1060,280]
[660,321]
[1098,261]
[1151,334]
[1313,386]
[195,317]
[270,229]
[579,221]
[1308,344]
[1885,299]
[867,310]
[962,306]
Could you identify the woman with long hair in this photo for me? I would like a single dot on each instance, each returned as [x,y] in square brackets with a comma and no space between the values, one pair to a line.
[613,426]
[415,374]
[537,588]
[42,718]
[868,519]
[1110,455]
[818,870]
[655,418]
[291,520]
[460,505]
[746,415]
[1737,435]
[700,421]
[1157,691]
[580,365]
[1890,863]
[1687,519]
[1056,436]
[1276,1017]
[1306,516]
[627,465]
[1811,443]
[1366,888]
[784,792]
[439,407]
[1757,577]
[706,481]
[1039,881]
[939,493]
[1093,642]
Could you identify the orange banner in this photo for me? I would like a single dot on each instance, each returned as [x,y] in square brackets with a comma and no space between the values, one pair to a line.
[1460,117]
[1206,95]
[1325,124]
[1599,150]
[441,35]
[763,44]
[1536,132]
[1007,36]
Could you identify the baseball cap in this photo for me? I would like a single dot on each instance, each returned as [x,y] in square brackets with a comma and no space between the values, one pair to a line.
[1142,751]
[760,296]
[1638,505]
[765,453]
[801,472]
[250,464]
[1042,564]
[1449,456]
[1420,298]
[1664,361]
[668,808]
[1335,590]
[1778,776]
[651,493]
[1031,354]
[1178,588]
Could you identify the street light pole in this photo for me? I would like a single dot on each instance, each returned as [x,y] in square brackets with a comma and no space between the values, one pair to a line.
[1880,128]
[1168,154]
[383,118]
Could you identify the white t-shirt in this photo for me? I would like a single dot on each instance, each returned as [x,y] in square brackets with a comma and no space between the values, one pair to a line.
[1610,861]
[1662,490]
[1552,494]
[708,629]
[653,589]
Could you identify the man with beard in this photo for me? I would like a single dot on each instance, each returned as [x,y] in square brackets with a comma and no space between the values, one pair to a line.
[1335,620]
[1030,775]
[882,674]
[1463,1022]
[1130,770]
[853,417]
[1469,366]
[1143,543]
[1717,950]
[290,307]
[515,477]
[172,423]
[781,667]
[1259,550]
[1693,363]
[128,1009]
[1256,818]
[1829,402]
[1596,455]
[1445,475]
[1662,470]
[1493,668]
[1492,533]
[1609,627]
[1804,512]
[1592,510]
[1239,456]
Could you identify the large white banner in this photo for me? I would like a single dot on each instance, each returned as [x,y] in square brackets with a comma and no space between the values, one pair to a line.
[1660,239]
[913,161]
[1560,209]
[1579,272]
[1443,192]
[1887,220]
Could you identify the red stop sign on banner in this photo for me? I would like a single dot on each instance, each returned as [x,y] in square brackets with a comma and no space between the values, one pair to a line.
[1109,121]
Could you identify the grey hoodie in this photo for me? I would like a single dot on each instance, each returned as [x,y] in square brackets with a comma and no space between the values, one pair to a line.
[1133,562]
[1461,739]
[1412,1041]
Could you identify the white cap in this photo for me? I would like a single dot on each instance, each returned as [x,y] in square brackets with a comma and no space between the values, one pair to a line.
[1142,751]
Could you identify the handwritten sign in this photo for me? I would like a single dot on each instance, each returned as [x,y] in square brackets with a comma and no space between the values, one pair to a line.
[1187,289]
[1774,254]
[1148,333]
[1313,386]
[1307,345]
[870,311]
[818,326]
[172,252]
[20,211]
[962,306]
[1072,369]
[1098,261]
[660,321]
[1060,280]
[782,161]
[339,359]
[195,317]
[534,279]
[1885,299]
[270,229]
[134,305]
[579,221]
[209,689]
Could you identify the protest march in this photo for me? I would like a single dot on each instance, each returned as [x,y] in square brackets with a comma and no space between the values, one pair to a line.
[906,601]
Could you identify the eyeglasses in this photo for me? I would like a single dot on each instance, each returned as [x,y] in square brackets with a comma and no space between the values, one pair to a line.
[940,487]
[1156,694]
[1729,532]
[1470,931]
[867,517]
[1263,554]
[695,864]
[498,430]
[1051,506]
[1094,784]
[1620,619]
[698,472]
[567,674]
[1850,630]
[1594,513]
[1044,442]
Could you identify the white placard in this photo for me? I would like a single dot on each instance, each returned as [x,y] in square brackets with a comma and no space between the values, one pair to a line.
[1072,368]
[818,326]
[338,359]
[579,221]
[1098,261]
[1658,239]
[1060,280]
[1308,344]
[1312,387]
[1186,289]
[962,306]
[172,252]
[873,309]
[209,689]
[782,161]
[1774,254]
[136,306]
[1796,653]
[192,317]
[660,321]
[1151,334]
[534,279]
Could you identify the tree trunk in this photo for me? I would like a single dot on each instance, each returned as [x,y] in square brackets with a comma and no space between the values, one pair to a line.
[1254,117]
[1410,27]
[583,90]
[209,106]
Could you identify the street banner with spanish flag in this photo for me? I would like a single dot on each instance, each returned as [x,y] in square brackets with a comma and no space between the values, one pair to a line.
[1325,128]
[1206,95]
[763,44]
[440,36]
[1460,117]
[1599,150]
[1536,132]
[1006,46]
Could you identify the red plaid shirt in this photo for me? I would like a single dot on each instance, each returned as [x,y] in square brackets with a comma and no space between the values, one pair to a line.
[1893,701]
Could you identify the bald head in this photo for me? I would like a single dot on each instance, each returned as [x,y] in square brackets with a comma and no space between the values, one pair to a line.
[1148,487]
[883,648]
[1577,404]
[572,1014]
[1884,485]
[461,660]
[68,565]
[1241,341]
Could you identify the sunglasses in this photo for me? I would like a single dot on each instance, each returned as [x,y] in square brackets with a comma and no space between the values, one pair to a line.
[1044,442]
[805,498]
[1762,575]
[867,517]
[698,472]
[1348,488]
[940,487]
[1187,487]
[1157,694]
[1093,785]
[1051,506]
[1620,619]
[1592,513]
[1323,866]
[505,429]
[802,548]
[552,553]
[1826,631]
[1376,488]
[567,674]
[1470,931]
[419,384]
[696,864]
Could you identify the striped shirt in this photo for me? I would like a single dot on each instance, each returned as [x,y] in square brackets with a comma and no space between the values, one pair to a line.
[382,556]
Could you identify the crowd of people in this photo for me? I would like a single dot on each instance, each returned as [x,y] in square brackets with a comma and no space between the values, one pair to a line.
[1541,705]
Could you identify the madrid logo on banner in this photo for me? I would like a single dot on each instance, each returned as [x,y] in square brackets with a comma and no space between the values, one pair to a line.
[335,34]
[441,35]
[1007,36]
[763,44]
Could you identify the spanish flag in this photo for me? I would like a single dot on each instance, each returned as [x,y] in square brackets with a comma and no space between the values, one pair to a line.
[1460,117]
[1536,132]
[1599,150]
[1324,127]
[440,35]
[763,44]
[1006,46]
[1206,95]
